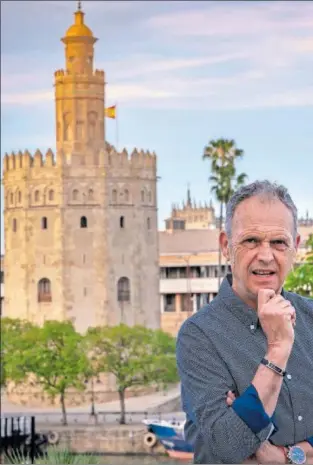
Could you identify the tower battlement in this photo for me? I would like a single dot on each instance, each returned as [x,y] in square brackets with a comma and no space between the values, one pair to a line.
[137,162]
[59,74]
[25,160]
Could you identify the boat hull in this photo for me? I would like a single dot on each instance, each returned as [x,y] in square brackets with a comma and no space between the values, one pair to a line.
[172,438]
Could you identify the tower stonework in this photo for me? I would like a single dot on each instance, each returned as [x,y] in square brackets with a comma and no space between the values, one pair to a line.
[81,235]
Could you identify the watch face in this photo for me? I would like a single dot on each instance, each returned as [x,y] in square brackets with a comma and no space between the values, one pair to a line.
[297,455]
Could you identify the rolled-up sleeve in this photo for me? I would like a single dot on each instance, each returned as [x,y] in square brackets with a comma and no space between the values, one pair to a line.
[222,434]
[310,440]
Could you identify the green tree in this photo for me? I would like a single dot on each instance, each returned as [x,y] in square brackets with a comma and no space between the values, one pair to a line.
[136,356]
[300,280]
[54,355]
[12,340]
[309,244]
[224,180]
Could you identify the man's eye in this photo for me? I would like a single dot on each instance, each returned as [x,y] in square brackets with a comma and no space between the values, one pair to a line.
[251,240]
[279,243]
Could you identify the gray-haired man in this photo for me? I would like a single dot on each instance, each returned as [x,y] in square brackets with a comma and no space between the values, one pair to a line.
[246,359]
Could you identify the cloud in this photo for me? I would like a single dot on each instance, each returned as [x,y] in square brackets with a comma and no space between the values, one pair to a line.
[26,98]
[217,55]
[302,45]
[150,88]
[271,35]
[237,91]
[134,92]
[139,65]
[295,98]
[233,19]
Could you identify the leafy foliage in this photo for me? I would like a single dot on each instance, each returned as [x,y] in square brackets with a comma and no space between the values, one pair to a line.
[135,356]
[13,332]
[300,280]
[52,353]
[59,358]
[224,180]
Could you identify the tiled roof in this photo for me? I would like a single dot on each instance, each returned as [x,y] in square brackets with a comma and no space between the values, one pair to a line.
[186,241]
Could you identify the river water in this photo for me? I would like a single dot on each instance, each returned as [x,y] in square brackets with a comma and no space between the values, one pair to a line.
[138,460]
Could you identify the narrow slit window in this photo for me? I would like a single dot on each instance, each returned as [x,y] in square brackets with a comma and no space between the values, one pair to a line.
[83,222]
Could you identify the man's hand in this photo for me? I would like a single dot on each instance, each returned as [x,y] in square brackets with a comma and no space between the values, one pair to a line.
[267,452]
[277,318]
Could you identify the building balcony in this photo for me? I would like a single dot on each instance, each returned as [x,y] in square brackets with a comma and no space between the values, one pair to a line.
[188,286]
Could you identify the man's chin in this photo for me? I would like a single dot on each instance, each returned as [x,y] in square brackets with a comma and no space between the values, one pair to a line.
[272,286]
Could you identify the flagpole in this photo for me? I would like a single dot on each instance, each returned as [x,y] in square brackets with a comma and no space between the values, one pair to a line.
[116,122]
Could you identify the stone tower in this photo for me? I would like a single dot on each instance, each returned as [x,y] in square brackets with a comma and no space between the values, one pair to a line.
[81,239]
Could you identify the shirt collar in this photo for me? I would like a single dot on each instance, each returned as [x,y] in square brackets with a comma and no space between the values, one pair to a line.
[247,315]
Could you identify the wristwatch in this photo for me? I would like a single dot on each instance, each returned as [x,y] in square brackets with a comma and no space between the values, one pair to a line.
[295,454]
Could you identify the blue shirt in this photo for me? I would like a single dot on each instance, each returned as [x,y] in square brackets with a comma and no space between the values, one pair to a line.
[219,349]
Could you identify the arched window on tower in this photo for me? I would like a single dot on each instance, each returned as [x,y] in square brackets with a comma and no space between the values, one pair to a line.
[44,222]
[51,195]
[142,195]
[126,195]
[36,196]
[44,290]
[90,194]
[149,197]
[123,290]
[11,198]
[75,194]
[83,222]
[19,196]
[14,224]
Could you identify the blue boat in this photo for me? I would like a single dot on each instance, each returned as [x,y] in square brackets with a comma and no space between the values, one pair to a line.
[171,435]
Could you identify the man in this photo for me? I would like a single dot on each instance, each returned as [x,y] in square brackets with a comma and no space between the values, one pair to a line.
[246,359]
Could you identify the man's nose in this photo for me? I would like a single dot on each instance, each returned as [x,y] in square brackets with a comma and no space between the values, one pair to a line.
[265,252]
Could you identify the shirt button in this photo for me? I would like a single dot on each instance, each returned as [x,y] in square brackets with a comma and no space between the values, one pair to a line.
[300,418]
[252,327]
[289,376]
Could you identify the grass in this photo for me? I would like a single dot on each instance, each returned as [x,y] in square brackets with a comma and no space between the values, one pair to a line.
[54,457]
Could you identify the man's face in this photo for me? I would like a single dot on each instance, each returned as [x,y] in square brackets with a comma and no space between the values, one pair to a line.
[262,248]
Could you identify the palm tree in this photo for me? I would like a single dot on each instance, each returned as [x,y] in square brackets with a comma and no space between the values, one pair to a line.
[223,154]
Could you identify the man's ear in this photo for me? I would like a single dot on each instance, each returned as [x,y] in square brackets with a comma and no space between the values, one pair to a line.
[298,238]
[224,244]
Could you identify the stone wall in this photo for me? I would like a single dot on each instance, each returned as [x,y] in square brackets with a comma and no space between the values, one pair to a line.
[124,439]
[34,398]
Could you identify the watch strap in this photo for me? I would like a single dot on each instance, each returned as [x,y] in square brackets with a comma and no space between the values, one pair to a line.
[273,367]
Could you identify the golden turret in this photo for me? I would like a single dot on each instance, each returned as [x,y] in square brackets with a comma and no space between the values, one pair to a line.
[79,44]
[79,28]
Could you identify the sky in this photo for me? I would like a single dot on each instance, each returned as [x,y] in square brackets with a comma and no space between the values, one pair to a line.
[182,74]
